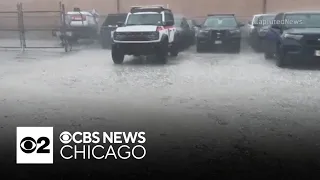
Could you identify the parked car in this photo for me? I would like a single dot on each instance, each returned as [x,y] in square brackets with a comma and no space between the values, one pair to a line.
[220,32]
[194,29]
[259,23]
[294,36]
[147,31]
[194,24]
[184,32]
[109,25]
[81,24]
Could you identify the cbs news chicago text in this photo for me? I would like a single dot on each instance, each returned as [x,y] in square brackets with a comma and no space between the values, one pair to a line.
[35,145]
[88,151]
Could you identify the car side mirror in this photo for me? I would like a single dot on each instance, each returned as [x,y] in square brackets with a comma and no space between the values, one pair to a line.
[240,24]
[249,22]
[119,23]
[169,23]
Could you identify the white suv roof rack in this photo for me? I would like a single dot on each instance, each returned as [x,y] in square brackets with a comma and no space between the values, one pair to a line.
[149,6]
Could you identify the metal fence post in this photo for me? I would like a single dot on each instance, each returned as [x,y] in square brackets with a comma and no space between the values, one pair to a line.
[22,28]
[63,19]
[19,25]
[118,6]
[264,6]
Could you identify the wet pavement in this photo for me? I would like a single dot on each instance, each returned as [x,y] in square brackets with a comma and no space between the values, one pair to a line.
[196,107]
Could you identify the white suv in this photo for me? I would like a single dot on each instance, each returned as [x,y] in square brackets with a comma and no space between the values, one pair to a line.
[146,31]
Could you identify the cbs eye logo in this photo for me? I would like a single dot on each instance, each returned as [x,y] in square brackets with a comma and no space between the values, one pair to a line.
[65,137]
[29,145]
[34,145]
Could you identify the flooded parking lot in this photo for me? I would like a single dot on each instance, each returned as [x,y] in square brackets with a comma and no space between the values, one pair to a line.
[196,108]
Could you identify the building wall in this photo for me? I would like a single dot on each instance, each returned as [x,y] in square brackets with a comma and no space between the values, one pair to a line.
[191,8]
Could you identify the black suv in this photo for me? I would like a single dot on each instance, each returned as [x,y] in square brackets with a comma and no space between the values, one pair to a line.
[110,24]
[219,31]
[294,36]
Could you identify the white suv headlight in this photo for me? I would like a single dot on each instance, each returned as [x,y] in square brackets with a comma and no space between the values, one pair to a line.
[293,36]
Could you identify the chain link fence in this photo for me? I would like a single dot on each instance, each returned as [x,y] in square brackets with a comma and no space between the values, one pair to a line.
[19,27]
[31,28]
[9,28]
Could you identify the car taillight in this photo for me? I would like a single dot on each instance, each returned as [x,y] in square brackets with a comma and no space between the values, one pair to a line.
[78,18]
[159,28]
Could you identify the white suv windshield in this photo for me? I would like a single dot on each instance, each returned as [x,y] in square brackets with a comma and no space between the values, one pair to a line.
[144,19]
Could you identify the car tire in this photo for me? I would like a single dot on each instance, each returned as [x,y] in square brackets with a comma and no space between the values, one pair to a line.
[117,55]
[236,48]
[281,58]
[199,48]
[174,50]
[268,55]
[174,53]
[162,52]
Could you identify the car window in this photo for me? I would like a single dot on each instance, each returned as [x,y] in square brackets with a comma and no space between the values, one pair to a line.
[144,19]
[302,20]
[265,20]
[177,22]
[185,23]
[255,19]
[278,17]
[220,22]
[114,19]
[190,23]
[168,17]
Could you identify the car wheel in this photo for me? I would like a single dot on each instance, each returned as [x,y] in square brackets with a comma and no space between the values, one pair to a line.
[268,55]
[117,55]
[162,53]
[281,59]
[199,48]
[174,53]
[236,48]
[174,50]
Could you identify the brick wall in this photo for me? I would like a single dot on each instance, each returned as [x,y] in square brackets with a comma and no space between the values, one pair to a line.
[199,8]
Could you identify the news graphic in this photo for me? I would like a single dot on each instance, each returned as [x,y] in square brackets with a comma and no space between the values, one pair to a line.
[96,145]
[34,145]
